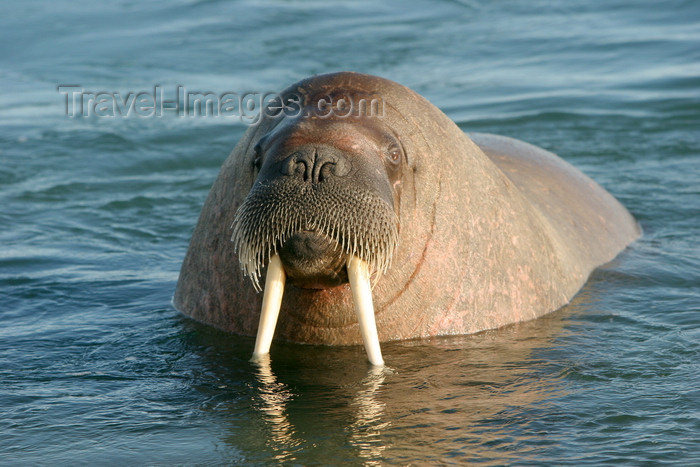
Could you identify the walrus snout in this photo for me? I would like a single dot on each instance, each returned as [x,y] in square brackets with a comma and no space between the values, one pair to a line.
[315,203]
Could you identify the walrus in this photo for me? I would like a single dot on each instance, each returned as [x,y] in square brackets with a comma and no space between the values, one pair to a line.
[373,217]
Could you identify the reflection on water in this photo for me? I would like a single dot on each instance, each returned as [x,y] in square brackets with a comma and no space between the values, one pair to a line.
[366,431]
[444,398]
[273,397]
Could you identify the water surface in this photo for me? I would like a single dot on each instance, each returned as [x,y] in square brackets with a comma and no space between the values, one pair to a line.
[96,213]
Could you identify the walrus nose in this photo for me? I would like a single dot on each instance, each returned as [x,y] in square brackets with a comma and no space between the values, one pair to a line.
[316,165]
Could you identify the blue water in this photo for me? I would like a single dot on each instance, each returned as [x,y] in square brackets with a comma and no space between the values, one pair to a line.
[97,368]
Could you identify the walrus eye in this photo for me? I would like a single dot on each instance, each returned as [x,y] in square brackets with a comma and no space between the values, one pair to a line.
[257,157]
[393,153]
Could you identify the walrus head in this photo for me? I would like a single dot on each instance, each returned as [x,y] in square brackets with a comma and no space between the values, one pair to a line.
[323,191]
[322,211]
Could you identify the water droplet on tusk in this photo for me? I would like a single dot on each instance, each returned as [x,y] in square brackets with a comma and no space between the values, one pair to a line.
[272,300]
[358,274]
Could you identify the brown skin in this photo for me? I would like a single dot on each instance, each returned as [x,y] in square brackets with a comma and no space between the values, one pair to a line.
[491,230]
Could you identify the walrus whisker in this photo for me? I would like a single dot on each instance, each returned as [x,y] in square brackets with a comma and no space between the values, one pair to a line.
[361,224]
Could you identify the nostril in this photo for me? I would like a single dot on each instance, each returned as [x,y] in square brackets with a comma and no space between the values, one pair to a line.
[314,166]
[296,165]
[303,168]
[325,169]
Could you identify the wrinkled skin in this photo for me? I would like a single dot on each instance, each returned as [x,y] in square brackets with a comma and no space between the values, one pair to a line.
[491,230]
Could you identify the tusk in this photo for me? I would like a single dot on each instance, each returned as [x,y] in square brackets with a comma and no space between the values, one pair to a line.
[358,274]
[272,300]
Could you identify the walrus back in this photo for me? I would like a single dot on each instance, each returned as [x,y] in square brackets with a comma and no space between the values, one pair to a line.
[590,224]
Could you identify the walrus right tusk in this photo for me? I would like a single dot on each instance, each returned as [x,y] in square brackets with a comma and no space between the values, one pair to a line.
[272,300]
[358,275]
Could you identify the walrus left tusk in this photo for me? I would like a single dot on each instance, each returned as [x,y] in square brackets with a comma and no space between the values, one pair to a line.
[272,300]
[358,274]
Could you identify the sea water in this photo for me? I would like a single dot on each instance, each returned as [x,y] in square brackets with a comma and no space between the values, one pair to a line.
[96,211]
